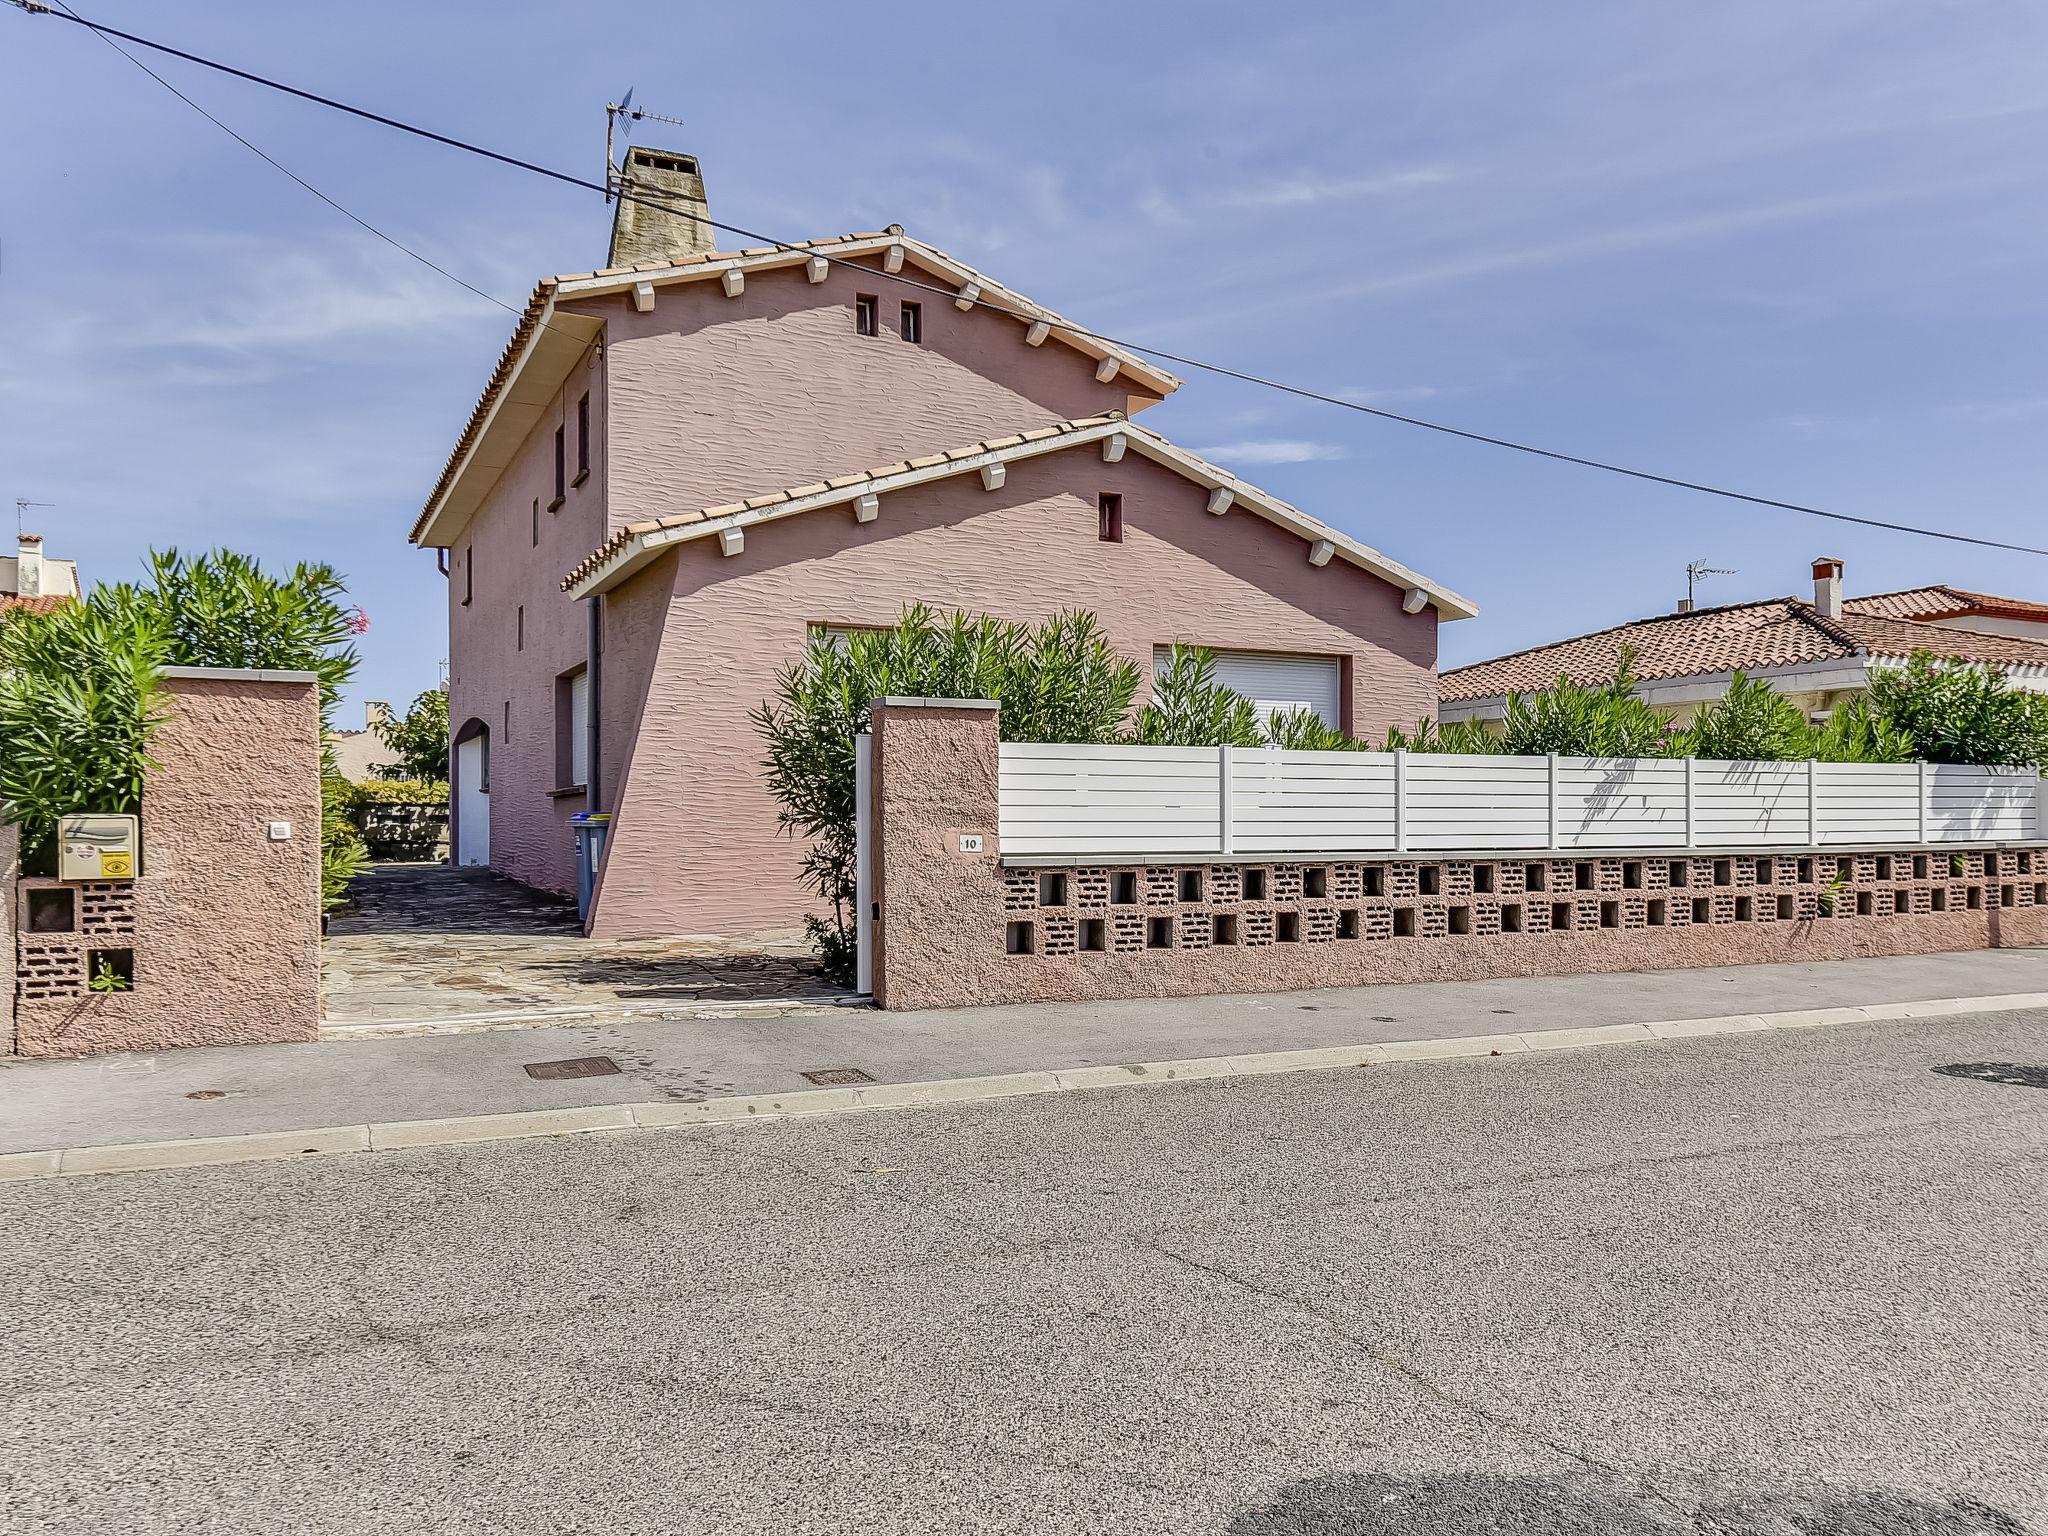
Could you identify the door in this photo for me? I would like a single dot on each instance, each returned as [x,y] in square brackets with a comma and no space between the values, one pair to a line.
[473,799]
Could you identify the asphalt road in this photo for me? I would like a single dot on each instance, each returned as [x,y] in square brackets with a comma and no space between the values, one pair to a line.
[1788,1283]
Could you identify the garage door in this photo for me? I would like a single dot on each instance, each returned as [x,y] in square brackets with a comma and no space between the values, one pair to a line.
[1277,684]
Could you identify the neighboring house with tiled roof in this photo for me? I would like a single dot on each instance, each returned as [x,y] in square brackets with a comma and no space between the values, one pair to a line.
[361,755]
[32,581]
[670,482]
[1818,653]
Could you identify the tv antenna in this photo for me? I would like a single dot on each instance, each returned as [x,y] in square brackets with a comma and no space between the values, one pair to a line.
[21,506]
[619,118]
[1697,571]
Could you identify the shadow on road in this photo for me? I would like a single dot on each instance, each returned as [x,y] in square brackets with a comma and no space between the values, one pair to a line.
[1374,1505]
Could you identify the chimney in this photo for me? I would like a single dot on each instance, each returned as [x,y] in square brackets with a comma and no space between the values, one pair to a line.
[1685,605]
[28,569]
[679,226]
[375,713]
[1827,587]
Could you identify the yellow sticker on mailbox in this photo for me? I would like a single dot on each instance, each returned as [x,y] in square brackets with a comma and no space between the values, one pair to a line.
[117,866]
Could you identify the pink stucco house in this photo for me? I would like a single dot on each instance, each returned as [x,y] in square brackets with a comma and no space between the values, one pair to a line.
[686,462]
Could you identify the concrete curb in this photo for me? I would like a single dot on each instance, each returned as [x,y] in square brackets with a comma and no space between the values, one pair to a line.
[275,1145]
[503,1019]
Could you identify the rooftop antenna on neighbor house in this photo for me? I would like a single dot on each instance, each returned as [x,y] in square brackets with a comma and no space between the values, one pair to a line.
[21,506]
[619,118]
[1695,572]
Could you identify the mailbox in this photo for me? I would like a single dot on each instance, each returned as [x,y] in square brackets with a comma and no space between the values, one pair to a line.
[96,847]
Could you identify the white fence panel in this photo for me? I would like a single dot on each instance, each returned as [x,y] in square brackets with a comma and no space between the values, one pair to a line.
[1979,805]
[1618,802]
[1743,805]
[1101,801]
[1867,802]
[1291,801]
[1456,802]
[1058,798]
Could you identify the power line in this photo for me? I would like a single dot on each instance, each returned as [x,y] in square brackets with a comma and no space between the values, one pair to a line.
[398,245]
[1179,360]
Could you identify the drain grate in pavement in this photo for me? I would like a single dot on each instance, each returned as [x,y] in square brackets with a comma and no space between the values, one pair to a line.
[575,1066]
[832,1077]
[2011,1073]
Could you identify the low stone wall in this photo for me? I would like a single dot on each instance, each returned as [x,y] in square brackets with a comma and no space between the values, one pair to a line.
[221,929]
[407,831]
[955,926]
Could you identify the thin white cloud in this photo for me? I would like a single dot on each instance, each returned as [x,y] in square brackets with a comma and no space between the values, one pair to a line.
[1999,412]
[1271,450]
[1304,190]
[1390,396]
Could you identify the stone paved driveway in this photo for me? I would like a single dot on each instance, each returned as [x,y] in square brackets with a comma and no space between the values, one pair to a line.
[428,947]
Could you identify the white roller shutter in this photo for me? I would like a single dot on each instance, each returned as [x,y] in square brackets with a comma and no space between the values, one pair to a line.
[1277,684]
[579,728]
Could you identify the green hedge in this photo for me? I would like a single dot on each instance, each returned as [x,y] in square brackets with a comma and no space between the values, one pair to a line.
[397,792]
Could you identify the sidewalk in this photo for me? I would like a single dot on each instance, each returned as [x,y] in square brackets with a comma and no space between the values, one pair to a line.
[110,1100]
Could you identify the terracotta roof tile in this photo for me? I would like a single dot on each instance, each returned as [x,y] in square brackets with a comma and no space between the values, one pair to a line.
[46,603]
[1774,633]
[1944,602]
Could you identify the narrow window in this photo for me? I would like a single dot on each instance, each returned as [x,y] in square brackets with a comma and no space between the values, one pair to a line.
[468,574]
[583,439]
[1109,514]
[536,522]
[561,468]
[572,729]
[519,636]
[867,315]
[913,321]
[506,734]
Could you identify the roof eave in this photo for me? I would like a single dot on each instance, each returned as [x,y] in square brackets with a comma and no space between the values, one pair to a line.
[644,547]
[555,340]
[1157,382]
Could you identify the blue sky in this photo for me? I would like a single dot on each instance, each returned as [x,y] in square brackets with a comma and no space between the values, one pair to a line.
[1796,249]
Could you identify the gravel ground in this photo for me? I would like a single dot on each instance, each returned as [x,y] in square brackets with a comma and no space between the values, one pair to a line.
[1785,1283]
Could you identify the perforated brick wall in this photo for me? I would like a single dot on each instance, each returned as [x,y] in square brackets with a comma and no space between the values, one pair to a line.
[51,966]
[1254,905]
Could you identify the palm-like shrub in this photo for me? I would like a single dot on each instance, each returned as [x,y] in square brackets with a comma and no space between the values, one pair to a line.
[80,691]
[80,696]
[1572,720]
[1958,713]
[1462,736]
[1056,681]
[1189,708]
[1751,723]
[1856,733]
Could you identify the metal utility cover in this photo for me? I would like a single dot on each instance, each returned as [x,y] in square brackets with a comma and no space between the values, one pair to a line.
[575,1066]
[832,1077]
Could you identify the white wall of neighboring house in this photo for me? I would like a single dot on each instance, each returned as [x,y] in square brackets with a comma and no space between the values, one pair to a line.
[30,573]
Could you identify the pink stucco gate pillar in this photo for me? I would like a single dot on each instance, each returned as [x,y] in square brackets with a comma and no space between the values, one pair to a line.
[222,926]
[935,857]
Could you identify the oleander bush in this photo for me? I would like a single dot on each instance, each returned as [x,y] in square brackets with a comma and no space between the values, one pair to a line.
[81,686]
